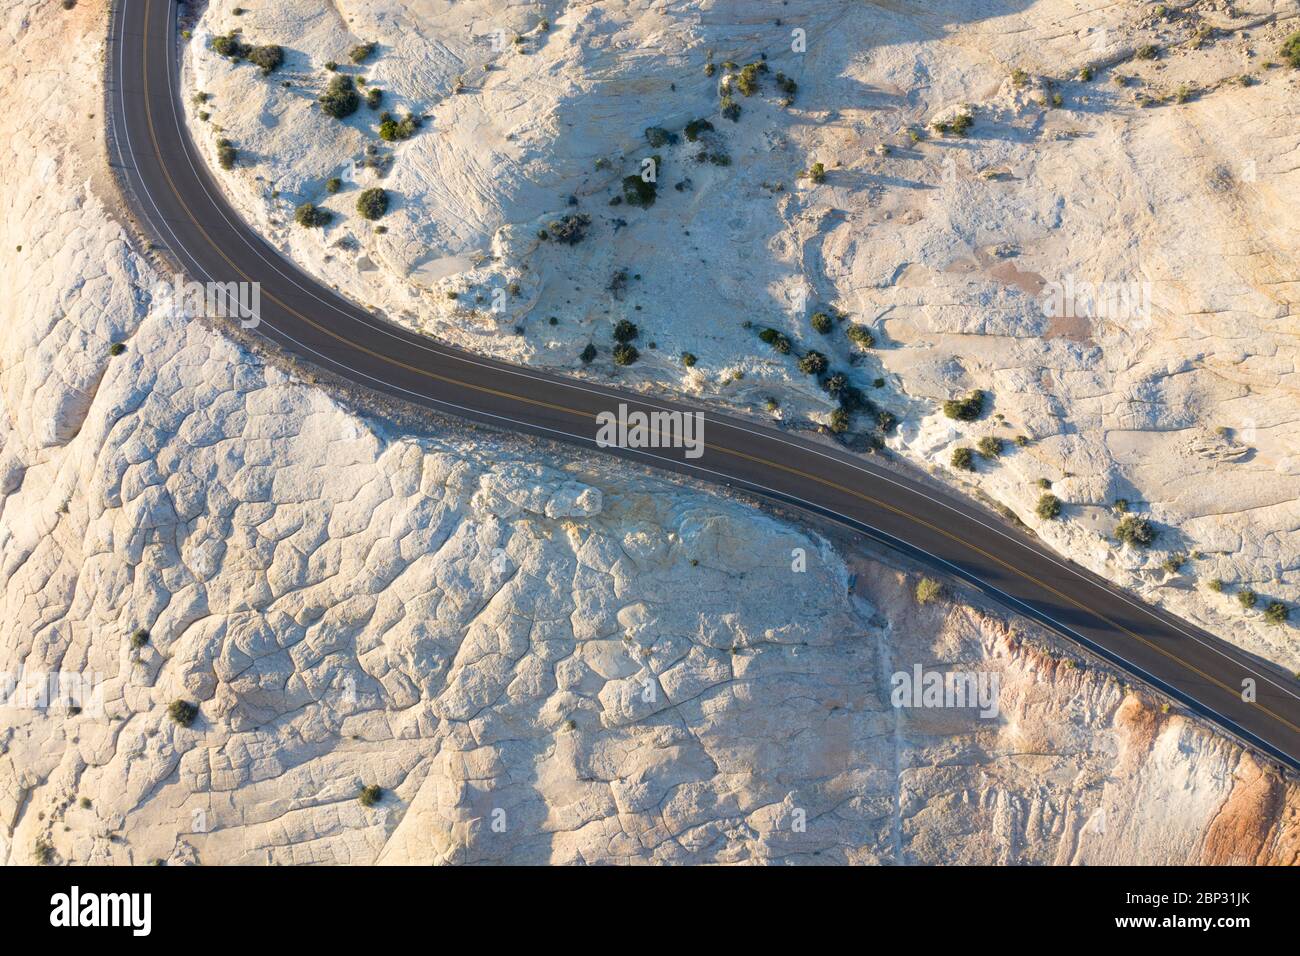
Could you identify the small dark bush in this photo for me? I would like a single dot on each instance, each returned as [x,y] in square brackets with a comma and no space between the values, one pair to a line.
[963,458]
[1247,598]
[588,354]
[1048,507]
[182,712]
[695,127]
[688,359]
[310,215]
[226,154]
[360,52]
[625,331]
[333,185]
[821,322]
[861,336]
[625,354]
[372,203]
[117,348]
[370,795]
[1290,50]
[374,96]
[1135,531]
[267,57]
[340,98]
[1147,51]
[391,129]
[230,46]
[836,384]
[886,420]
[813,363]
[139,638]
[730,109]
[638,192]
[966,409]
[990,446]
[817,173]
[778,340]
[839,421]
[1276,612]
[571,229]
[657,136]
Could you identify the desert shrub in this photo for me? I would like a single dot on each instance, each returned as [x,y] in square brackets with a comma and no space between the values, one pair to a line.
[657,136]
[813,363]
[638,192]
[778,340]
[570,229]
[310,215]
[817,173]
[1019,78]
[374,96]
[689,359]
[730,108]
[990,446]
[695,127]
[821,322]
[182,712]
[786,85]
[117,348]
[139,638]
[340,98]
[333,185]
[1135,531]
[958,125]
[625,331]
[963,458]
[1290,50]
[966,409]
[1022,441]
[836,384]
[42,852]
[839,421]
[1085,74]
[1247,598]
[360,52]
[1048,507]
[370,795]
[267,57]
[747,79]
[927,590]
[1276,612]
[1215,585]
[625,354]
[226,154]
[886,420]
[1174,562]
[1147,51]
[861,336]
[391,130]
[588,354]
[372,203]
[230,46]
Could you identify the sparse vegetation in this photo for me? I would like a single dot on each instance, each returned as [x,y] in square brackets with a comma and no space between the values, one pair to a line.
[778,340]
[1276,612]
[1135,531]
[839,421]
[861,336]
[990,446]
[1247,598]
[962,459]
[333,185]
[695,127]
[139,638]
[813,363]
[1147,51]
[374,96]
[638,192]
[268,58]
[816,173]
[370,795]
[1290,51]
[569,229]
[372,203]
[958,125]
[361,52]
[340,98]
[182,712]
[688,359]
[821,322]
[226,154]
[1174,562]
[625,331]
[927,590]
[625,354]
[1215,585]
[310,215]
[966,409]
[117,348]
[1048,507]
[391,130]
[588,354]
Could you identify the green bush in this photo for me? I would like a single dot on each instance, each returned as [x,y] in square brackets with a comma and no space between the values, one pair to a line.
[1147,51]
[1276,612]
[333,185]
[391,130]
[747,79]
[370,795]
[372,203]
[817,173]
[963,459]
[730,109]
[139,638]
[861,336]
[182,712]
[638,192]
[226,154]
[689,359]
[1048,507]
[230,46]
[570,229]
[839,421]
[886,420]
[340,98]
[1136,531]
[813,363]
[1291,50]
[267,57]
[778,340]
[625,331]
[310,215]
[657,136]
[1215,585]
[374,96]
[821,322]
[360,52]
[625,354]
[966,409]
[836,384]
[117,348]
[695,127]
[588,353]
[1247,598]
[959,125]
[42,852]
[927,590]
[990,446]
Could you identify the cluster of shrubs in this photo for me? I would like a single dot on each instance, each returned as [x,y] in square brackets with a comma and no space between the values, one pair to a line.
[391,130]
[637,191]
[1290,51]
[340,98]
[958,125]
[569,229]
[625,332]
[966,409]
[268,57]
[310,215]
[226,154]
[1136,531]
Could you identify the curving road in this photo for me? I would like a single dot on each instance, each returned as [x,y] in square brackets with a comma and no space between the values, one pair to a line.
[180,204]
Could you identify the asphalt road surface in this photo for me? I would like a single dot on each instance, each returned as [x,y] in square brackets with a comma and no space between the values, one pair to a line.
[178,202]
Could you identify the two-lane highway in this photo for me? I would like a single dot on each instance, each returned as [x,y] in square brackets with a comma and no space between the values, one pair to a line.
[181,205]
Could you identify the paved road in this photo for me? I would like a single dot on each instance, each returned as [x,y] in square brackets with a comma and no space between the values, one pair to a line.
[179,202]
